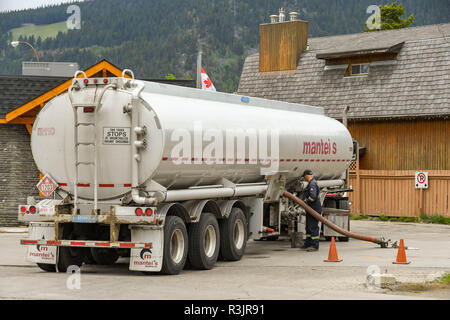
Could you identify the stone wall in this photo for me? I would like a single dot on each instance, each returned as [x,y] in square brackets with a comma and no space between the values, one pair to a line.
[18,172]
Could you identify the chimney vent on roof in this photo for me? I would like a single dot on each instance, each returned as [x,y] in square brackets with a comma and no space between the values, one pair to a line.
[293,15]
[282,15]
[273,18]
[281,44]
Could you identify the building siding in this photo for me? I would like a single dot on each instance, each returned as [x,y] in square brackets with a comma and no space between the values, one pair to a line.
[415,144]
[18,172]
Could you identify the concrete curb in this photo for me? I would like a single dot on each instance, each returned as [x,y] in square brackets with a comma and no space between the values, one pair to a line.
[13,230]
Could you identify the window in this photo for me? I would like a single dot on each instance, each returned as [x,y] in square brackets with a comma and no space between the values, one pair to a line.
[359,69]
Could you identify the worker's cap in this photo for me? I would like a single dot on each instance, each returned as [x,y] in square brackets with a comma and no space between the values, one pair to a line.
[307,173]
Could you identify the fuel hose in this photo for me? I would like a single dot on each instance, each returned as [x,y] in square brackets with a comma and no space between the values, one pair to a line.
[381,241]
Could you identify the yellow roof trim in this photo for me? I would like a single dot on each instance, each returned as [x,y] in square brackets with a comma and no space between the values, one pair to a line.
[102,65]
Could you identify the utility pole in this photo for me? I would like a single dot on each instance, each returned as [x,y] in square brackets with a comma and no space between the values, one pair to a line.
[199,69]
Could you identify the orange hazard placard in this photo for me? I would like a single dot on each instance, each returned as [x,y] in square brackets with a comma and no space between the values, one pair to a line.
[47,186]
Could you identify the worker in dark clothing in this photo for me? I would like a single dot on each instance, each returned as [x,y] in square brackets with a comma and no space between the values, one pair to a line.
[312,225]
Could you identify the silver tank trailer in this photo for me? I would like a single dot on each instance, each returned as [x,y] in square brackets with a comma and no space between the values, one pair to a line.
[177,117]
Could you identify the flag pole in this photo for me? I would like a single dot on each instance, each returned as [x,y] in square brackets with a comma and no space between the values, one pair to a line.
[199,69]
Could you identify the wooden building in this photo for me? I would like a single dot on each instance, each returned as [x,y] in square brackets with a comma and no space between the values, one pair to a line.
[397,86]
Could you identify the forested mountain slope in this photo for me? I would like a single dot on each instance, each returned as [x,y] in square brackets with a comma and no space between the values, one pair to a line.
[157,37]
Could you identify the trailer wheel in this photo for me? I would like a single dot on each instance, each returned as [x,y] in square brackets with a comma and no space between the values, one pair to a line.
[47,267]
[104,256]
[175,245]
[233,235]
[68,256]
[204,242]
[89,259]
[272,238]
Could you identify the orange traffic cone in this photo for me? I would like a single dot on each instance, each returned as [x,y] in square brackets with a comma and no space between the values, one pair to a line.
[332,254]
[401,255]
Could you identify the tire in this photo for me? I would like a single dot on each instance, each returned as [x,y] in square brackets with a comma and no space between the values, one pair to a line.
[104,256]
[204,242]
[175,245]
[89,259]
[233,236]
[47,267]
[272,238]
[68,256]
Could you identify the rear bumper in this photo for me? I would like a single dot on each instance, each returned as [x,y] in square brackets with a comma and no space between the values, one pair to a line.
[146,245]
[118,215]
[87,243]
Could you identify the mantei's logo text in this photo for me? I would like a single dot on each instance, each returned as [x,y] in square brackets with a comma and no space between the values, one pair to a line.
[320,147]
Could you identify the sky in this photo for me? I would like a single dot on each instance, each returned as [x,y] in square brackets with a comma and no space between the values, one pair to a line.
[6,5]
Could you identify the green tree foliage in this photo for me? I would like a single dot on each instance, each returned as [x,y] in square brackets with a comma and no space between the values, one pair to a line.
[391,18]
[155,38]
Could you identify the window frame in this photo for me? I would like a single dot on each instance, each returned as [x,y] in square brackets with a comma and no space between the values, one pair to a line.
[351,74]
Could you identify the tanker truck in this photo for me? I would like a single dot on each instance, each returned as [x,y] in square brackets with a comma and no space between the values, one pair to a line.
[172,176]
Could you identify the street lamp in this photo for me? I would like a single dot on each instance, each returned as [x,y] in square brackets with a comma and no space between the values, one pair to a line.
[14,44]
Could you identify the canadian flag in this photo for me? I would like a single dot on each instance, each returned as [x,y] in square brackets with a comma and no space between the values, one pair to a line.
[206,82]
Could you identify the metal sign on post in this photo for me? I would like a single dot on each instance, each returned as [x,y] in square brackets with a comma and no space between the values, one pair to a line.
[47,186]
[421,181]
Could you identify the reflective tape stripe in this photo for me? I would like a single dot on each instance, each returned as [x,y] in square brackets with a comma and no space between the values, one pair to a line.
[127,245]
[83,185]
[308,236]
[29,241]
[314,238]
[102,244]
[77,243]
[101,185]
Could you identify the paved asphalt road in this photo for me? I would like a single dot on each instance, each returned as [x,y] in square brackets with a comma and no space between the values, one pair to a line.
[269,270]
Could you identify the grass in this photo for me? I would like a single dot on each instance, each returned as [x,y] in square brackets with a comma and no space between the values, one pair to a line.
[435,219]
[43,31]
[417,287]
[422,219]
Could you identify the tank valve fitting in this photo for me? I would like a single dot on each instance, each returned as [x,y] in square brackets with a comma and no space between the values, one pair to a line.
[127,108]
[141,130]
[140,144]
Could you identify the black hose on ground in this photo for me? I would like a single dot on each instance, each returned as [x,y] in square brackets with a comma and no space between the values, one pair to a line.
[383,243]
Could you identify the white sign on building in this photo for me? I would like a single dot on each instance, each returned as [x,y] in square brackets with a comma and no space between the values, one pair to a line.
[421,181]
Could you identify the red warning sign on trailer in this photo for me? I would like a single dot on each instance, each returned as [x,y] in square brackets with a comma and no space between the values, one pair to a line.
[421,181]
[47,186]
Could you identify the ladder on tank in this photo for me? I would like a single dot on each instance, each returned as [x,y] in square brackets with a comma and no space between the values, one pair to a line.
[76,106]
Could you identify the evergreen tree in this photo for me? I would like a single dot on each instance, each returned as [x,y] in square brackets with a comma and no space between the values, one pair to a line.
[391,18]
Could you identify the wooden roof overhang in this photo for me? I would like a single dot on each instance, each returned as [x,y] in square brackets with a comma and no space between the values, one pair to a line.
[358,52]
[26,113]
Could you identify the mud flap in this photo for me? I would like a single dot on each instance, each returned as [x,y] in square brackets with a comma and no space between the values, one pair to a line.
[147,259]
[40,253]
